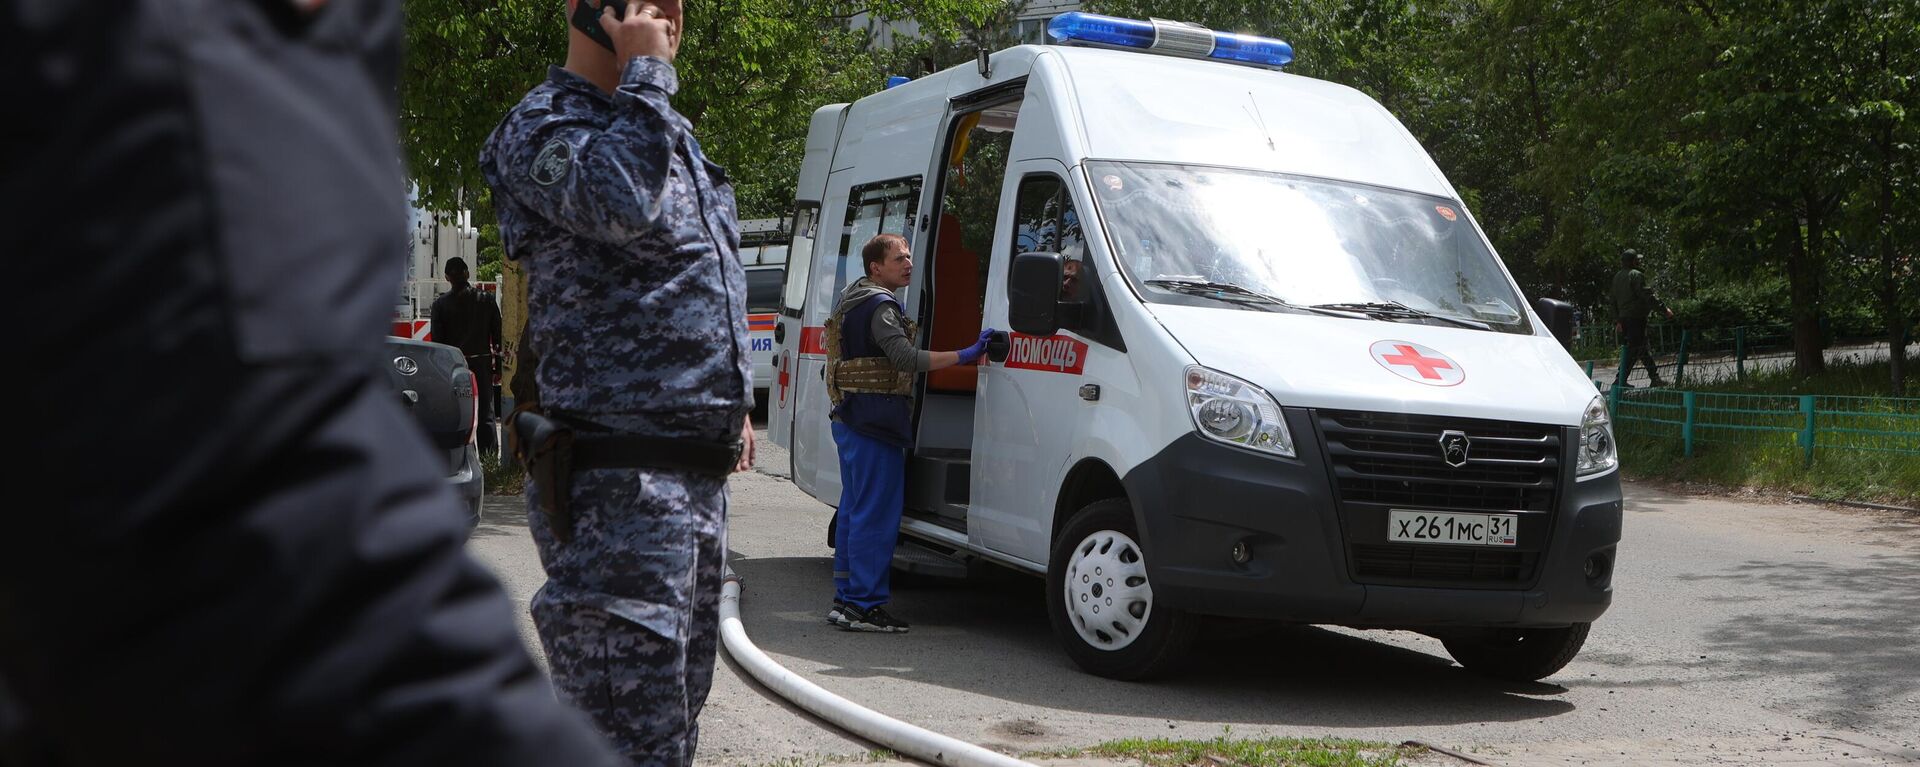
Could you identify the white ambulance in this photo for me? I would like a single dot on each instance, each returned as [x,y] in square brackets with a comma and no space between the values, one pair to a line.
[1262,362]
[763,251]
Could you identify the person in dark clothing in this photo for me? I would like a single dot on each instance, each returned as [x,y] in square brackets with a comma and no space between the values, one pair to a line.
[636,312]
[871,364]
[1632,300]
[250,558]
[469,320]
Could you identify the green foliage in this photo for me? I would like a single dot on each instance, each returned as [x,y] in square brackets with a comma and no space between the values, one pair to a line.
[1834,476]
[751,72]
[504,475]
[1760,301]
[1770,459]
[1760,153]
[1258,752]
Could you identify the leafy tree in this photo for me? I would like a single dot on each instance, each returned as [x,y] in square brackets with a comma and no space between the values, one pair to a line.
[751,71]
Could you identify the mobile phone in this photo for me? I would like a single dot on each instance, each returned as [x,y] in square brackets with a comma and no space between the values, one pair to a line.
[586,18]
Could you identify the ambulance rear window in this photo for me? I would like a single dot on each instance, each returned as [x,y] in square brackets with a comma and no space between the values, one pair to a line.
[763,289]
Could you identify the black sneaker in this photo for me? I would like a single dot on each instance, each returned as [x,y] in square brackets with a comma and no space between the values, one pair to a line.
[875,621]
[841,614]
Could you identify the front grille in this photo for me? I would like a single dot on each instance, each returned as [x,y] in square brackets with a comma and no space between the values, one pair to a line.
[1395,459]
[1384,461]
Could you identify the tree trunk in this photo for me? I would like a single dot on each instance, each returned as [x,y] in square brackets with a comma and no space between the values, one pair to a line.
[1803,285]
[1889,287]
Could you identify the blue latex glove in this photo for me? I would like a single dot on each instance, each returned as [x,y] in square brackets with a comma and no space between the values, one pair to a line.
[973,353]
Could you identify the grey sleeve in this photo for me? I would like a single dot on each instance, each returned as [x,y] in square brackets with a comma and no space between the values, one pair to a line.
[890,334]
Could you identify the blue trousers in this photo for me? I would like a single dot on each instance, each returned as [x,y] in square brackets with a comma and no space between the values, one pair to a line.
[873,484]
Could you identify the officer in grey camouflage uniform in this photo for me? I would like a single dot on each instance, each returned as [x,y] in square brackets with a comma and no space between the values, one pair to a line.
[636,302]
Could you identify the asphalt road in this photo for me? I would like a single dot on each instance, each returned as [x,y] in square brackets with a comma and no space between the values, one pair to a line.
[1742,632]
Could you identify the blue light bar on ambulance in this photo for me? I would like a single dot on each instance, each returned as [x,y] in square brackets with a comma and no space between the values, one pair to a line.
[1171,37]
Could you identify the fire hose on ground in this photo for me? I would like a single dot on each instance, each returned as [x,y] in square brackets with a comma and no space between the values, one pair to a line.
[910,740]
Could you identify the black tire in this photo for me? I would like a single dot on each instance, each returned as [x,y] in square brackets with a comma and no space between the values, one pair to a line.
[1520,655]
[1151,650]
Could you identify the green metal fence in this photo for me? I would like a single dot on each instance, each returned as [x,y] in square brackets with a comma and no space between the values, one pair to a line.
[1812,423]
[1602,343]
[1724,351]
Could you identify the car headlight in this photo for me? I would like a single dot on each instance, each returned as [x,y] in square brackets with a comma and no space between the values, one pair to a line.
[1227,409]
[1597,453]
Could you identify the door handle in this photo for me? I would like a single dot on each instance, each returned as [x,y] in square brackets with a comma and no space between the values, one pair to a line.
[998,346]
[780,333]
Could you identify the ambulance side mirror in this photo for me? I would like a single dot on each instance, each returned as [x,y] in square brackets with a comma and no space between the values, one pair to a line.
[1558,315]
[1033,294]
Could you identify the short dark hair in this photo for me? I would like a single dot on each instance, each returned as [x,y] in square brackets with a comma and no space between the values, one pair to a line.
[453,262]
[878,248]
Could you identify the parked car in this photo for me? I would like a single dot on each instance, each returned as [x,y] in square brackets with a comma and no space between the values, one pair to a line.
[435,385]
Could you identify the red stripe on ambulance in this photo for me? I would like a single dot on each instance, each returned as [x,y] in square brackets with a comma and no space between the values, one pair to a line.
[418,330]
[813,340]
[1054,354]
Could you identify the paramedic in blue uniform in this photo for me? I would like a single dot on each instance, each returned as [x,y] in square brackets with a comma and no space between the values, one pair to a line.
[234,548]
[871,370]
[636,305]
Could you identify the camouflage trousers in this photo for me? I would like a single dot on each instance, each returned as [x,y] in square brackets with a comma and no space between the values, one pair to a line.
[629,615]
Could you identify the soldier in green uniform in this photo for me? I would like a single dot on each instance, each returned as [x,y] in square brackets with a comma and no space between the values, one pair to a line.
[1632,300]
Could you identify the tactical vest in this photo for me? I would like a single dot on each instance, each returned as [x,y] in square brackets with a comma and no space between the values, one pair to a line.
[869,394]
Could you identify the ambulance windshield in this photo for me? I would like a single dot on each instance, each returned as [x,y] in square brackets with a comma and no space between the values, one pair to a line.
[1307,242]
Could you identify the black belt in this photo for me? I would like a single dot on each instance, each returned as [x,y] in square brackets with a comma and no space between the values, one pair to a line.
[633,451]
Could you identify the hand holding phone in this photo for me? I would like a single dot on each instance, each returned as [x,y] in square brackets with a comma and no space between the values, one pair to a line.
[629,28]
[586,18]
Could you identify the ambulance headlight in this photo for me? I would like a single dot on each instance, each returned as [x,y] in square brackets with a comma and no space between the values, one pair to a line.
[1227,409]
[1597,453]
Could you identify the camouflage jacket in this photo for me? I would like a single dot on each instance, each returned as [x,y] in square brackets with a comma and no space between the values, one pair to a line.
[630,239]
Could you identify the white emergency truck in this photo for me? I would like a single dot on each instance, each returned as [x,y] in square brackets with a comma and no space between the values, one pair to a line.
[763,251]
[1262,362]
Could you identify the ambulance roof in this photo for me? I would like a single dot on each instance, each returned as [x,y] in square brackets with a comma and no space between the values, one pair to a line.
[1142,106]
[1131,105]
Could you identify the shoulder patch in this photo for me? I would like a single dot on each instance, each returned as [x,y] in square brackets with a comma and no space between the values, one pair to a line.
[552,163]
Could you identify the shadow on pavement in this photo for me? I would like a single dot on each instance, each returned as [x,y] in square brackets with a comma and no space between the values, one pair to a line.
[1851,660]
[501,515]
[989,635]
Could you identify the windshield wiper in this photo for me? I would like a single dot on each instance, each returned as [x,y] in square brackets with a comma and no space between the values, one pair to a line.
[1397,309]
[1229,291]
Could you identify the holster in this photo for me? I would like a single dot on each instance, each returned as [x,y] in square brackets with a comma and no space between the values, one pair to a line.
[548,445]
[545,447]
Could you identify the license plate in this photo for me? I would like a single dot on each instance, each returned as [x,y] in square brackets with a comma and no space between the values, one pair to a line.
[1448,527]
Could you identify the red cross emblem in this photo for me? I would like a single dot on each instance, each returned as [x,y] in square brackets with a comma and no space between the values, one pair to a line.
[1418,363]
[783,378]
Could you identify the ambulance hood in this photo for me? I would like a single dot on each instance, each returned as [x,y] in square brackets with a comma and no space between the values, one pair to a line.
[1317,361]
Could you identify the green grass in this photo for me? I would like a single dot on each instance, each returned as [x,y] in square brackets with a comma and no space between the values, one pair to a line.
[1222,751]
[822,760]
[504,476]
[1878,466]
[1254,752]
[1835,475]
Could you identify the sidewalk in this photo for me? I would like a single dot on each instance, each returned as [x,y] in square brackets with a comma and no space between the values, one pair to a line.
[1725,366]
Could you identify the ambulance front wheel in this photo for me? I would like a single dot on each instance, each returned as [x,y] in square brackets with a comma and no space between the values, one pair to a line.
[1100,602]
